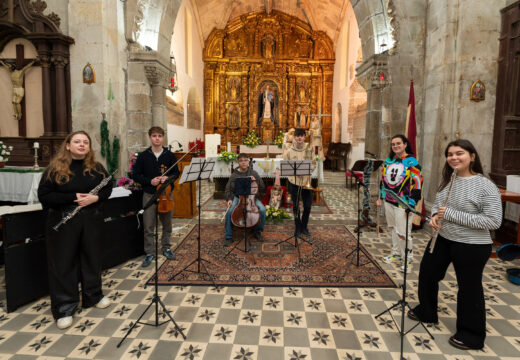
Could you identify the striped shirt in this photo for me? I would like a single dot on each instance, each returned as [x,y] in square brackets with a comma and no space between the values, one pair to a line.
[474,208]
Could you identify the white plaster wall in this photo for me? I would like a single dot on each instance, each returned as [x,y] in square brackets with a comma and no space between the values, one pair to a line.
[61,8]
[341,67]
[97,27]
[184,81]
[33,93]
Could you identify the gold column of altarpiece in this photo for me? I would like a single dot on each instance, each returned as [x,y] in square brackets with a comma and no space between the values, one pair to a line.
[259,54]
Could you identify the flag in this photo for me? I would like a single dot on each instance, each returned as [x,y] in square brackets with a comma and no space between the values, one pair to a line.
[411,134]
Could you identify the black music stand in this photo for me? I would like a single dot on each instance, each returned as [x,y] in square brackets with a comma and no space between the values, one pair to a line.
[199,169]
[403,304]
[243,187]
[360,165]
[296,168]
[155,298]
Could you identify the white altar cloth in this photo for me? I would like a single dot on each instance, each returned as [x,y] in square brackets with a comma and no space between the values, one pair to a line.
[19,186]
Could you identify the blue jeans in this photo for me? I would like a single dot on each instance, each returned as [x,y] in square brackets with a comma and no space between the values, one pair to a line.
[306,198]
[259,227]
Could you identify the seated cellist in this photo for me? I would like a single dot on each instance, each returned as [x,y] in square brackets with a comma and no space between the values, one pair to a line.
[243,170]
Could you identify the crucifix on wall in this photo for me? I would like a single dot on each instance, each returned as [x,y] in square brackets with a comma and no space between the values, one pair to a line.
[17,69]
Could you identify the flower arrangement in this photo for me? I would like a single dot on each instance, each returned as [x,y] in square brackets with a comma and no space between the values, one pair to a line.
[131,162]
[227,156]
[278,140]
[5,151]
[275,214]
[252,139]
[128,183]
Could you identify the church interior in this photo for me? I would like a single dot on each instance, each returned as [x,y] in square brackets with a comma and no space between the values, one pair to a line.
[223,77]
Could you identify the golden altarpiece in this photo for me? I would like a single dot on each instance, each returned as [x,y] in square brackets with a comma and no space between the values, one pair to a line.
[266,73]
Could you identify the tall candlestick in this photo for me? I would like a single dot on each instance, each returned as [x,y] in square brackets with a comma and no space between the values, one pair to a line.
[36,145]
[228,146]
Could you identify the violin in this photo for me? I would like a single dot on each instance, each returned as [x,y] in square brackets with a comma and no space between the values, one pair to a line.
[247,202]
[166,199]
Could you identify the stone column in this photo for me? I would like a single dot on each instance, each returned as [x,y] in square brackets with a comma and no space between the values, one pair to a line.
[368,74]
[157,76]
[61,95]
[45,61]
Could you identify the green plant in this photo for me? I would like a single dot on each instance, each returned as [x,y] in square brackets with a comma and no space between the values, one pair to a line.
[111,155]
[252,139]
[278,140]
[227,156]
[275,214]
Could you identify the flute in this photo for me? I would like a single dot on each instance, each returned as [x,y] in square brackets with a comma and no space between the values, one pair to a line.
[436,232]
[77,209]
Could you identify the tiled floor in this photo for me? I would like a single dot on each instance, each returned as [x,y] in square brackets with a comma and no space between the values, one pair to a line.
[265,323]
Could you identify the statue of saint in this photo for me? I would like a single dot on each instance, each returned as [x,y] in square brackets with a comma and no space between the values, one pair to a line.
[267,105]
[268,47]
[315,134]
[301,93]
[17,81]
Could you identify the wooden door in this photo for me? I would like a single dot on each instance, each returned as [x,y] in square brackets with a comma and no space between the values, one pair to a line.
[506,135]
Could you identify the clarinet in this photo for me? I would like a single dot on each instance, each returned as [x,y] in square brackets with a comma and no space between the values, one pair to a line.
[77,209]
[436,232]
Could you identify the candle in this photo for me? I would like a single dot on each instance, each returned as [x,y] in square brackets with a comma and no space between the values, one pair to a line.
[228,146]
[36,145]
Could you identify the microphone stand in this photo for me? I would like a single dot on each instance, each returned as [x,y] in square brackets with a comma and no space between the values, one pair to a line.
[155,298]
[358,246]
[403,304]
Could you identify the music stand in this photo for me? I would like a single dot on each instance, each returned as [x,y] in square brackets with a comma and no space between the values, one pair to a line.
[296,168]
[403,303]
[243,188]
[362,164]
[156,298]
[199,169]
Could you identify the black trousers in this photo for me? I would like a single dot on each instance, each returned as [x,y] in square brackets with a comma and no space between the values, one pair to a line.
[74,256]
[469,261]
[306,198]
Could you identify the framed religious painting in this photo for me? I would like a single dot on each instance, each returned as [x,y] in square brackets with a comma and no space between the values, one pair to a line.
[89,76]
[478,91]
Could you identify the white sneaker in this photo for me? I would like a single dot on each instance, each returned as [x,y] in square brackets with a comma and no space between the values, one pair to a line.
[103,303]
[408,268]
[391,258]
[64,322]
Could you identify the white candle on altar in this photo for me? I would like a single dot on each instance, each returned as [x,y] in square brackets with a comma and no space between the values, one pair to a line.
[36,145]
[228,146]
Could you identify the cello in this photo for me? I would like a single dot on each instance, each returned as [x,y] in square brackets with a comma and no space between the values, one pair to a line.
[166,199]
[246,206]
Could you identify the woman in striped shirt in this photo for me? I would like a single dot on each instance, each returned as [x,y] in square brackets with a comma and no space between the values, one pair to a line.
[472,210]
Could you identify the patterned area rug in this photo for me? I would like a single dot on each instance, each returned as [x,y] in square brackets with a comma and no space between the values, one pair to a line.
[322,263]
[220,206]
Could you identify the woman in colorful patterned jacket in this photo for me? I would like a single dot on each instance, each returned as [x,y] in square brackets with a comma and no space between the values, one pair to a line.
[402,175]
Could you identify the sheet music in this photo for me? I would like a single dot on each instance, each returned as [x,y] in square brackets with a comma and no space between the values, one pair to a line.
[198,166]
[303,167]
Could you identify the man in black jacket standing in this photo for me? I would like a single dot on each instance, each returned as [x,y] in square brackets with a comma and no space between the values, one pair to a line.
[147,172]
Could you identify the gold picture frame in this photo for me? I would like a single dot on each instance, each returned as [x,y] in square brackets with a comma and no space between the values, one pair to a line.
[89,75]
[478,91]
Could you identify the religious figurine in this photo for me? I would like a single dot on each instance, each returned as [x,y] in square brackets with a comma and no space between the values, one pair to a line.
[267,106]
[233,88]
[301,93]
[275,199]
[315,134]
[288,140]
[18,90]
[233,117]
[268,47]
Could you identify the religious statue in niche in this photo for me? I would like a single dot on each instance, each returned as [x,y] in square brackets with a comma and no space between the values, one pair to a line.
[89,76]
[315,135]
[301,118]
[268,46]
[17,76]
[478,91]
[233,89]
[268,104]
[302,90]
[233,117]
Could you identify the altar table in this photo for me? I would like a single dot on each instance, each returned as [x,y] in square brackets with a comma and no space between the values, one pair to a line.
[19,184]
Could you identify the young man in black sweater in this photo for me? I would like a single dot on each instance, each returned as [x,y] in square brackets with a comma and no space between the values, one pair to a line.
[147,172]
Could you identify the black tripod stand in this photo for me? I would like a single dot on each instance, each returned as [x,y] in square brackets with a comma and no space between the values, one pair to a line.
[199,169]
[355,252]
[243,188]
[403,304]
[155,298]
[296,168]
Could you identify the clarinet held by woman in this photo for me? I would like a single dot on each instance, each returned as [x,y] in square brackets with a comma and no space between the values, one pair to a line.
[472,210]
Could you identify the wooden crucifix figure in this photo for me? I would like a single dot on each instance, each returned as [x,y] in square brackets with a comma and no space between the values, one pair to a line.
[17,71]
